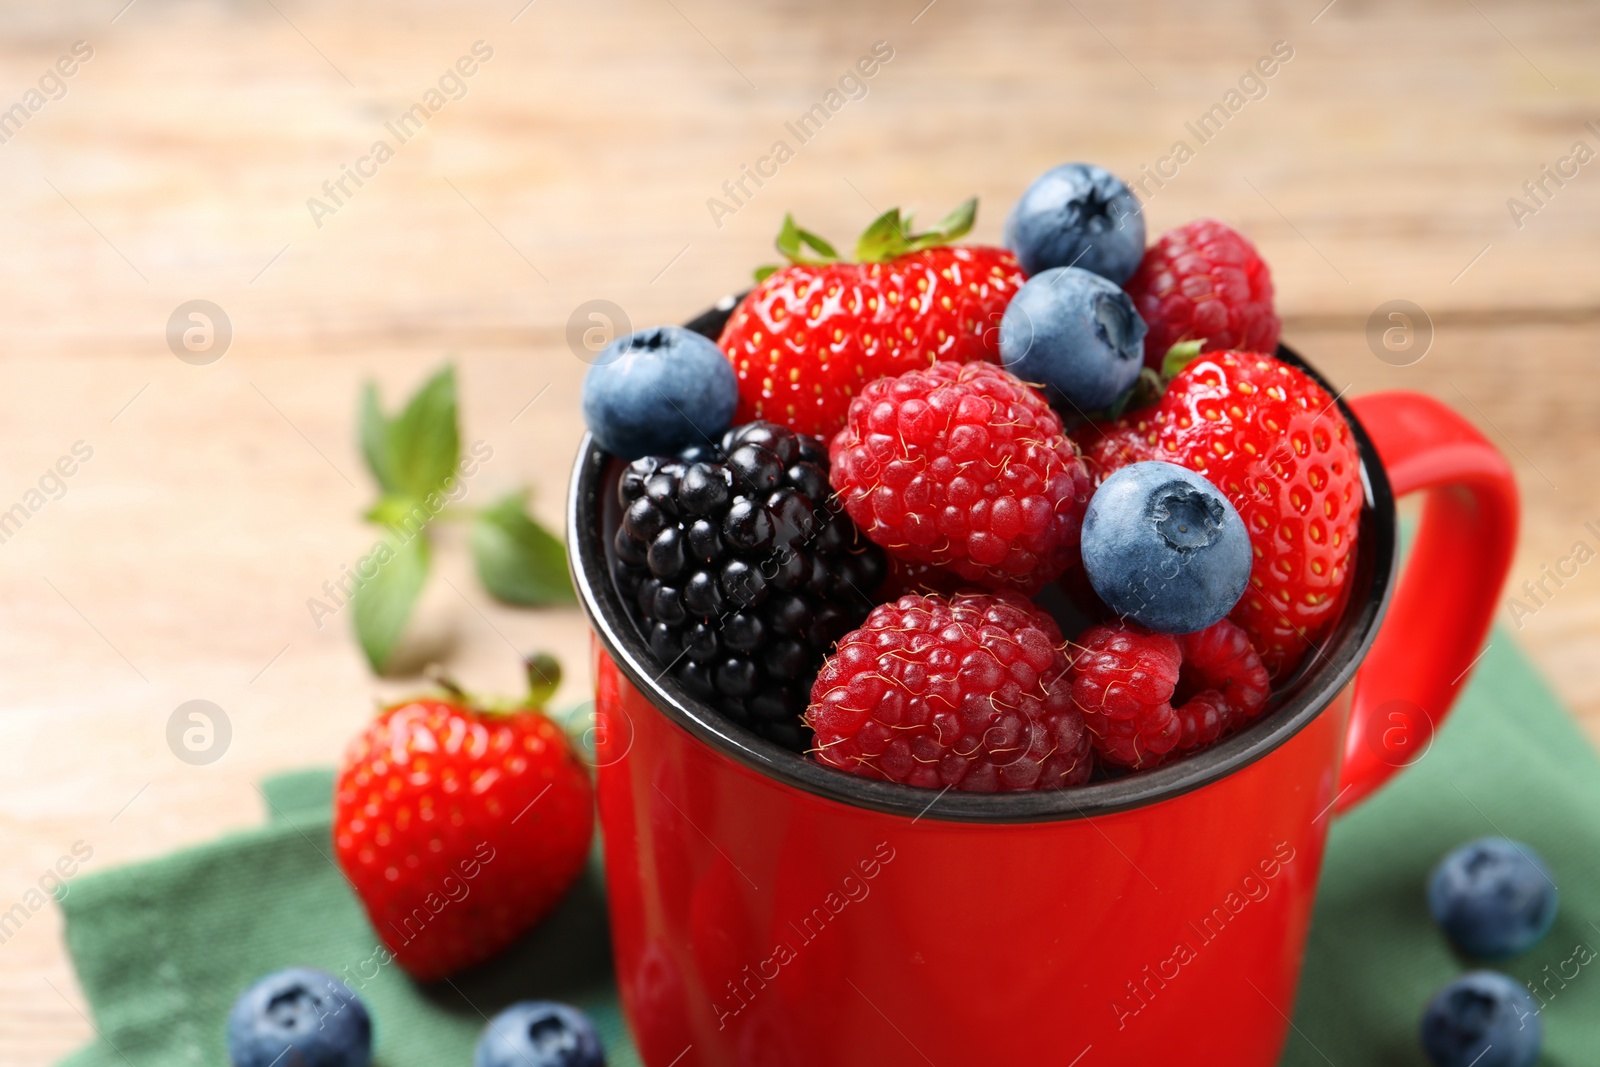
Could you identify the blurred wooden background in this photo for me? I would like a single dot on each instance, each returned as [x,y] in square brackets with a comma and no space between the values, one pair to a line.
[575,166]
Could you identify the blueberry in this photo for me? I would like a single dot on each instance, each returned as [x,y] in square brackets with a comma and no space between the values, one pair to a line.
[539,1033]
[1162,546]
[1494,898]
[1482,1019]
[1076,333]
[1078,215]
[658,391]
[313,1014]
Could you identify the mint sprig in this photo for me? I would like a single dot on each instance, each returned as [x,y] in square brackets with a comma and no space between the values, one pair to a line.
[415,458]
[382,605]
[519,561]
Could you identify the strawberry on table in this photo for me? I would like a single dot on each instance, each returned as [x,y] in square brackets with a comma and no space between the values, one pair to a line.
[813,333]
[1275,443]
[461,826]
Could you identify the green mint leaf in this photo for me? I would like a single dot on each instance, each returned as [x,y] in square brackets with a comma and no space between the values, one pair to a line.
[765,272]
[423,439]
[519,561]
[1178,357]
[383,603]
[399,511]
[375,440]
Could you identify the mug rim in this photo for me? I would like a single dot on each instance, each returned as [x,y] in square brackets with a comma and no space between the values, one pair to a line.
[1312,689]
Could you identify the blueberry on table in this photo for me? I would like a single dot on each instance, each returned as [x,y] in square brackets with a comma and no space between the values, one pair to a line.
[299,1016]
[1163,547]
[1482,1019]
[1075,333]
[539,1033]
[1493,897]
[1078,215]
[657,391]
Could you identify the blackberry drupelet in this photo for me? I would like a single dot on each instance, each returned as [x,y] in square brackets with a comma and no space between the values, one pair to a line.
[741,574]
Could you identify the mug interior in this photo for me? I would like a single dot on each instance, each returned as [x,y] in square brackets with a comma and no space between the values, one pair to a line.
[593,514]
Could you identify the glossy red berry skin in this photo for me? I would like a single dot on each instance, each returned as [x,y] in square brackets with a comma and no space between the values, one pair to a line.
[1151,698]
[967,692]
[964,467]
[806,340]
[1204,282]
[1277,446]
[460,829]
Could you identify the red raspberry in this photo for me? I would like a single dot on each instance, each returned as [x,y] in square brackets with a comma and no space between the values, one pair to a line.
[1204,282]
[964,467]
[1125,679]
[966,692]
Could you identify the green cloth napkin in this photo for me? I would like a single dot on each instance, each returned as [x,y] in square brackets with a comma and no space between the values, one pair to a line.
[1511,762]
[163,947]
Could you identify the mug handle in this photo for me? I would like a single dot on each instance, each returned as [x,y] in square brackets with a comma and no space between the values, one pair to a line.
[1433,635]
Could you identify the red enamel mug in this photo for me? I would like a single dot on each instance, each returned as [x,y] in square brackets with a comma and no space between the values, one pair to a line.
[767,911]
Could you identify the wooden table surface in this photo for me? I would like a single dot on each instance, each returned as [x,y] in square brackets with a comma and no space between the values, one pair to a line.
[577,163]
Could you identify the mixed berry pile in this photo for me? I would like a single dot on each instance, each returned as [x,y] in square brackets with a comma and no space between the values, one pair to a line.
[836,516]
[838,525]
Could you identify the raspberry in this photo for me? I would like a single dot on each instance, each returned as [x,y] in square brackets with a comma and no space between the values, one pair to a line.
[966,692]
[964,467]
[740,575]
[1125,680]
[1204,282]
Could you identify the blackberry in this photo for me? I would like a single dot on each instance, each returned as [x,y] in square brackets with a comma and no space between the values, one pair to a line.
[740,572]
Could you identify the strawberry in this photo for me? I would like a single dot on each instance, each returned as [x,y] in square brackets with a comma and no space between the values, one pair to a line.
[1274,442]
[811,334]
[460,827]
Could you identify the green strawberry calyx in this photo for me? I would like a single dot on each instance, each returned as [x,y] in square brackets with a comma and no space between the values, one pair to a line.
[1178,358]
[889,236]
[1151,385]
[544,677]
